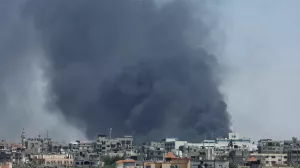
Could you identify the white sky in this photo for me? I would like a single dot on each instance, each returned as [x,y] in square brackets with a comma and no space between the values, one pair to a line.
[262,52]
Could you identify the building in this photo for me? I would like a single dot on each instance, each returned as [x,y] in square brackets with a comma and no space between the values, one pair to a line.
[292,149]
[85,158]
[6,164]
[234,142]
[170,162]
[269,146]
[128,163]
[210,164]
[173,145]
[37,145]
[114,146]
[271,159]
[65,160]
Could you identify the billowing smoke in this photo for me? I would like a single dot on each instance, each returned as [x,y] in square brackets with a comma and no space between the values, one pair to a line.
[23,87]
[128,65]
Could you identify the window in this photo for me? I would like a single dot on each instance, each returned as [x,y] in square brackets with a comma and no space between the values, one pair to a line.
[267,162]
[273,156]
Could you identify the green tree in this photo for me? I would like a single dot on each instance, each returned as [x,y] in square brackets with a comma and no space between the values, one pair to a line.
[232,165]
[111,160]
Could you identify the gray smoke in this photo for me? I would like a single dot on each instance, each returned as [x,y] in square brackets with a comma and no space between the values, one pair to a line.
[131,66]
[22,84]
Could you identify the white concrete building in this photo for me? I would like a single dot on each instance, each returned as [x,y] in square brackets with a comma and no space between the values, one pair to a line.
[173,144]
[239,143]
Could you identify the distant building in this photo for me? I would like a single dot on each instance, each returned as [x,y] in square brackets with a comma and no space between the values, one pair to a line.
[237,142]
[114,146]
[269,146]
[53,160]
[170,162]
[129,163]
[271,159]
[292,149]
[173,144]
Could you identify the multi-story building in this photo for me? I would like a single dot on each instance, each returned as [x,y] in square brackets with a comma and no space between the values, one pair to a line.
[128,163]
[234,142]
[3,145]
[114,146]
[174,145]
[38,145]
[170,161]
[268,146]
[292,149]
[271,159]
[64,160]
[59,147]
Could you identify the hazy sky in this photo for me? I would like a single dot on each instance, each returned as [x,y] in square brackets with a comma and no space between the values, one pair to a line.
[262,50]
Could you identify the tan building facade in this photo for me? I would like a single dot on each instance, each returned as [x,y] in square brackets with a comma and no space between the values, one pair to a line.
[176,162]
[53,160]
[271,159]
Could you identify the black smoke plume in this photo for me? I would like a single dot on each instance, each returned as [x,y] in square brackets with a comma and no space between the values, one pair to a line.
[128,65]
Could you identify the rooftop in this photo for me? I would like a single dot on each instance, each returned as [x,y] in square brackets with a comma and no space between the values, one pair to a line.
[125,161]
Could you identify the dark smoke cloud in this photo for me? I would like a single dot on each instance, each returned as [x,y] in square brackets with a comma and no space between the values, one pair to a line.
[127,65]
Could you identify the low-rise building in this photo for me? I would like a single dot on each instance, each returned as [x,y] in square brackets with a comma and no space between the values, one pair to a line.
[170,161]
[65,160]
[271,159]
[128,163]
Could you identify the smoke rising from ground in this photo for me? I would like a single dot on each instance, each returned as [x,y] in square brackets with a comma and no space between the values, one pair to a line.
[126,65]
